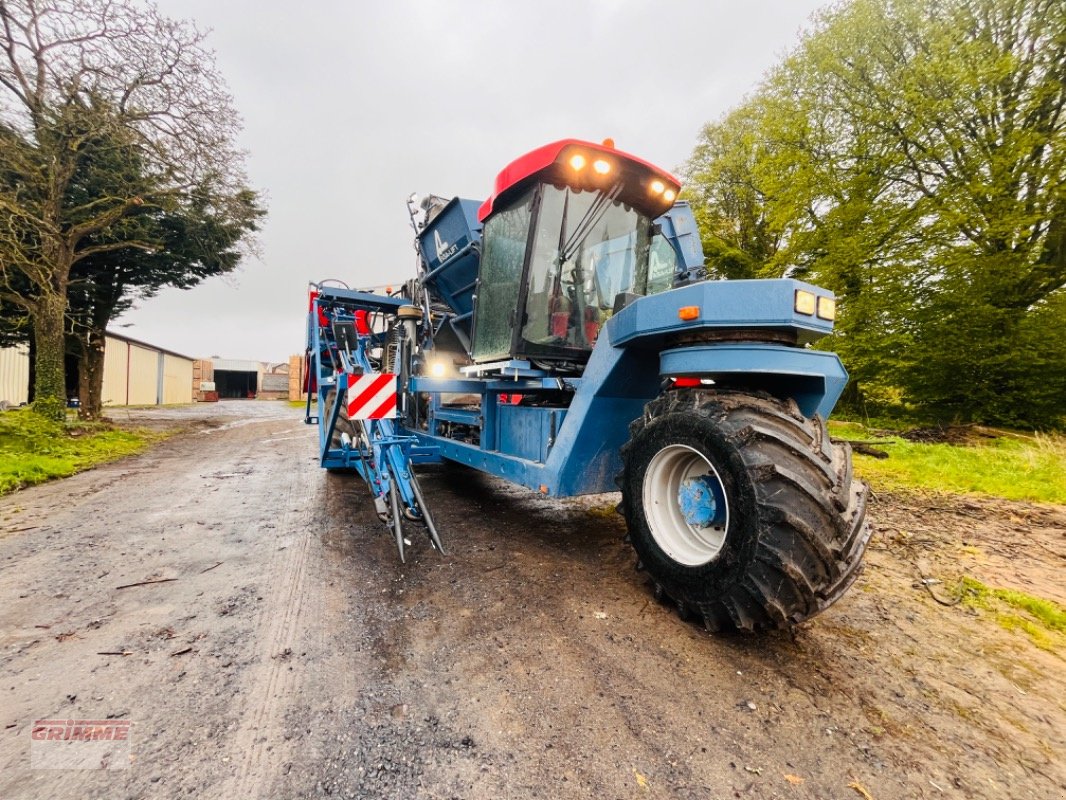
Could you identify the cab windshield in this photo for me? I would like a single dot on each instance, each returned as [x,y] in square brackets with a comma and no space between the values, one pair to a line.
[587,249]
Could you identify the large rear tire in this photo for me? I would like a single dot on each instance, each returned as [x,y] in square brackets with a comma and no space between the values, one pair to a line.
[741,509]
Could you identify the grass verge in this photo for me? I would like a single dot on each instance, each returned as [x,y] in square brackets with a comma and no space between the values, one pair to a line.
[1011,466]
[34,449]
[1043,621]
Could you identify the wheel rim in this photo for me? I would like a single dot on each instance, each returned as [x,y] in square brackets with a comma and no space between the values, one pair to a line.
[685,505]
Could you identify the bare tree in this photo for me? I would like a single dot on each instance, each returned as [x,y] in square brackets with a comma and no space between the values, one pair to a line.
[77,76]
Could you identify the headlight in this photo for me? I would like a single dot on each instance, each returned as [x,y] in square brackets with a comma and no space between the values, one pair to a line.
[805,302]
[827,308]
[577,162]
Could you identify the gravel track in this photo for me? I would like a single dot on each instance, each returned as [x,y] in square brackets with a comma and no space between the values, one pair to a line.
[294,656]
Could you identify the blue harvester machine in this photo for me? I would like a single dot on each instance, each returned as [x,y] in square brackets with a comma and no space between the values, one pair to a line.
[561,335]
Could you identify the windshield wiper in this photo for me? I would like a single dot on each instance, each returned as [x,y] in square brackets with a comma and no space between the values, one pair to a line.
[588,221]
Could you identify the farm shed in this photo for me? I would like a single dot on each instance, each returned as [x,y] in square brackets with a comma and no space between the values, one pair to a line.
[141,374]
[235,378]
[14,375]
[135,374]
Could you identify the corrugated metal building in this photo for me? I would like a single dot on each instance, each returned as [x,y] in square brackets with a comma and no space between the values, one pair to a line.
[14,375]
[236,378]
[141,374]
[135,374]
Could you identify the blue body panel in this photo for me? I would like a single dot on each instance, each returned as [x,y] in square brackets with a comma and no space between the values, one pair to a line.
[617,382]
[528,432]
[722,305]
[449,246]
[813,378]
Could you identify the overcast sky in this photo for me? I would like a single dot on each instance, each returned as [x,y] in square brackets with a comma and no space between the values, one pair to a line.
[349,106]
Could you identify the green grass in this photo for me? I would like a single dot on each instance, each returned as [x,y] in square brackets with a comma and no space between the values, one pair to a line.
[1044,621]
[34,449]
[1013,466]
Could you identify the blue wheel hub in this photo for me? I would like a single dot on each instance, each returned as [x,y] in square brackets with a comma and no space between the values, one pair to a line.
[685,505]
[702,501]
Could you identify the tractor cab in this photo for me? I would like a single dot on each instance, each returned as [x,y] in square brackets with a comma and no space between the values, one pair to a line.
[568,240]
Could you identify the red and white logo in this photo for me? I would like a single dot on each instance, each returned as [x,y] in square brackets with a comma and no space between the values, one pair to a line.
[80,744]
[372,397]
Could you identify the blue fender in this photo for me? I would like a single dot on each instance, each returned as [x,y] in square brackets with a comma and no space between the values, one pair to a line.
[814,379]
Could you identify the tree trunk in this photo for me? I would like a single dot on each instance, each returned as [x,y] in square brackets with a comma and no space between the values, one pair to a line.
[91,375]
[49,398]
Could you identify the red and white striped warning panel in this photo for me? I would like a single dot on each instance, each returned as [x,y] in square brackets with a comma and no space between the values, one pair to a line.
[372,397]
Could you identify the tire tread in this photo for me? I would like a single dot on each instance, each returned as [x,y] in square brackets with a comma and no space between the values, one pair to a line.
[812,531]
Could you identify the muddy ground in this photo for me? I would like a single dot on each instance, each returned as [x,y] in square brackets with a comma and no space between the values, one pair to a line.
[293,656]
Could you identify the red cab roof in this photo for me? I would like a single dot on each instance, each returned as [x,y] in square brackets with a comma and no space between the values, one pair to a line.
[551,160]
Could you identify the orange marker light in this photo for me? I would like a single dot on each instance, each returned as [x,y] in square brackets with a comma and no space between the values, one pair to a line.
[688,313]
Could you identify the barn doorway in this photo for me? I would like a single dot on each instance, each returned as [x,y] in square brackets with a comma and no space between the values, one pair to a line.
[232,384]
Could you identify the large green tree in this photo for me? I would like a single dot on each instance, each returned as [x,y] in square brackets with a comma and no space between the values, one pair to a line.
[739,239]
[192,236]
[188,241]
[76,76]
[911,155]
